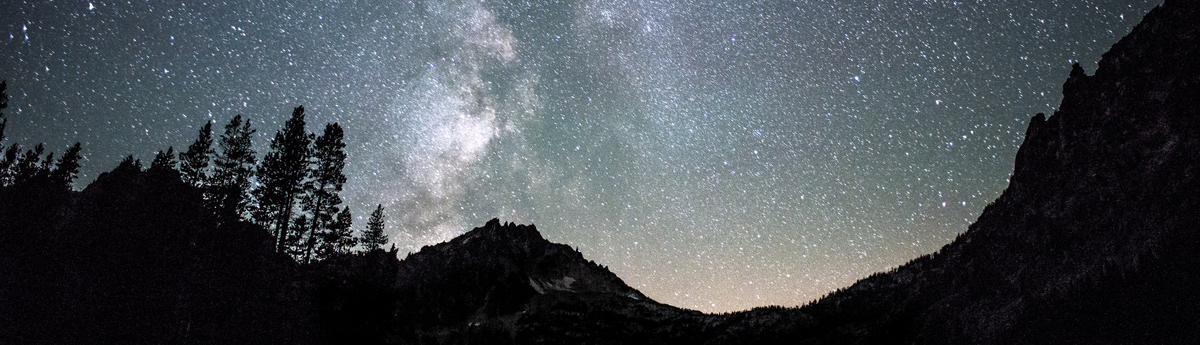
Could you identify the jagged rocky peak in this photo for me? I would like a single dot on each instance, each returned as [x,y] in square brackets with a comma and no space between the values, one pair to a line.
[494,240]
[1126,127]
[522,236]
[520,250]
[1094,239]
[496,270]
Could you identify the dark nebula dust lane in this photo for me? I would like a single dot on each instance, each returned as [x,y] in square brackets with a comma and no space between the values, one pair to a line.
[715,155]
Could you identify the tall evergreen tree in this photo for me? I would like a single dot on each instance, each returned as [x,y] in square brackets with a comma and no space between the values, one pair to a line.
[325,181]
[281,177]
[128,166]
[46,165]
[163,166]
[374,237]
[193,164]
[339,239]
[67,168]
[294,242]
[234,168]
[8,165]
[28,167]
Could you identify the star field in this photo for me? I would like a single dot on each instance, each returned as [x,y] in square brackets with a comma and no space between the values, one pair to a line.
[715,155]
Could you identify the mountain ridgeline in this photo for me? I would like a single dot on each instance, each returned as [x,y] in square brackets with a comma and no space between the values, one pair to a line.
[1094,241]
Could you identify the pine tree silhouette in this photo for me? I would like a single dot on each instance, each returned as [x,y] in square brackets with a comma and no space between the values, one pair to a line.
[67,168]
[234,168]
[281,177]
[28,168]
[128,166]
[163,167]
[193,163]
[8,165]
[339,239]
[375,237]
[294,242]
[325,181]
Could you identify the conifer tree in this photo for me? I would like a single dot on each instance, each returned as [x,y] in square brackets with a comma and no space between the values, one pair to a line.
[345,239]
[339,239]
[374,237]
[293,244]
[163,166]
[67,168]
[234,168]
[325,181]
[128,166]
[28,167]
[8,165]
[281,177]
[193,164]
[46,166]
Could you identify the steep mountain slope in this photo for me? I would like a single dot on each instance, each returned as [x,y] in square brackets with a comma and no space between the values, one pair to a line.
[504,283]
[1095,239]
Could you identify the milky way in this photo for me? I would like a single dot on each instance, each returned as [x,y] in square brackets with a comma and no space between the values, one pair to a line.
[715,155]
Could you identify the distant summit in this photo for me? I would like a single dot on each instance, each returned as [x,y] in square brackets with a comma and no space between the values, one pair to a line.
[493,278]
[496,269]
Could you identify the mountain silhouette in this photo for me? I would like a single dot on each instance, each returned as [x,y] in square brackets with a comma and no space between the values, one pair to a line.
[1094,241]
[1095,238]
[505,282]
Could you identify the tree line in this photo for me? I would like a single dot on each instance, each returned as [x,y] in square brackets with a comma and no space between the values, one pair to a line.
[293,192]
[18,168]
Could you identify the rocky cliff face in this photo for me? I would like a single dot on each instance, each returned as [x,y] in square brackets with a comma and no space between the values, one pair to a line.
[515,253]
[1095,238]
[502,279]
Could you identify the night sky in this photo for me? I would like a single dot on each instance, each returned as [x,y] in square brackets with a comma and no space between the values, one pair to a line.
[715,155]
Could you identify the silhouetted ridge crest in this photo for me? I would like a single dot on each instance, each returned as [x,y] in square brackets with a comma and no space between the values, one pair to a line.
[519,236]
[1094,238]
[496,270]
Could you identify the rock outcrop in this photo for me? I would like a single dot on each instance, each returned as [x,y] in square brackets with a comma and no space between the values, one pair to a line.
[1094,240]
[499,278]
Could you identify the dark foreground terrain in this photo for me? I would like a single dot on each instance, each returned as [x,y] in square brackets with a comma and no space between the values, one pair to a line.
[1094,241]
